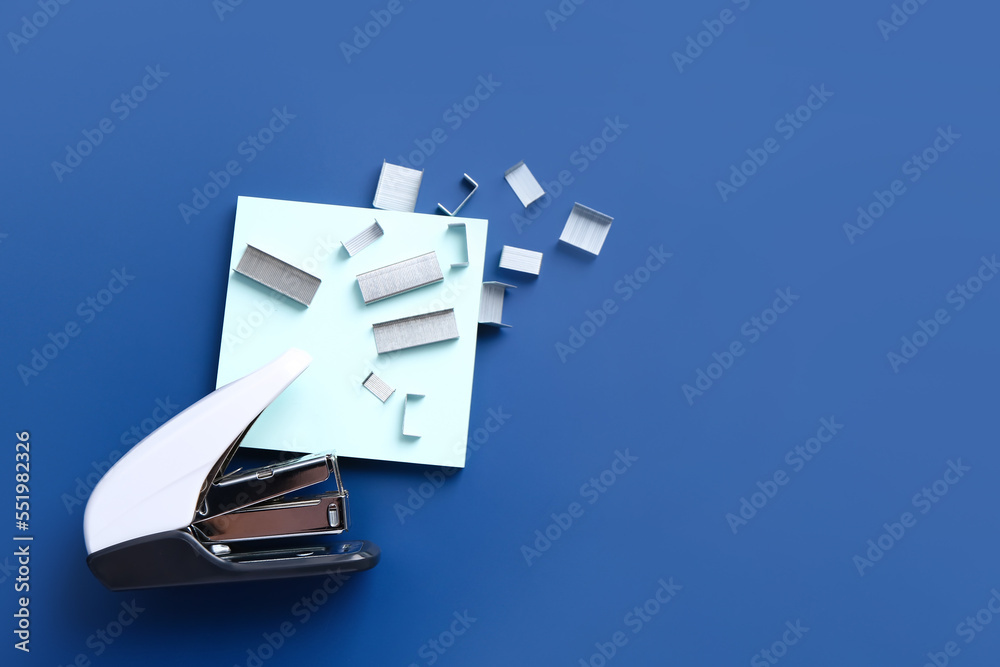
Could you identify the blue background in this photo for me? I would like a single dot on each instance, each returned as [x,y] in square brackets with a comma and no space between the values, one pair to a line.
[665,517]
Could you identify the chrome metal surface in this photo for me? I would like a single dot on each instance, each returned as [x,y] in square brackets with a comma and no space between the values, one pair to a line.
[410,274]
[523,183]
[363,239]
[398,188]
[586,229]
[378,387]
[279,275]
[519,259]
[475,186]
[491,303]
[417,330]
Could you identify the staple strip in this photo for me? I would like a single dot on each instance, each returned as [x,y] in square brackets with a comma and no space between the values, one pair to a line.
[363,239]
[417,330]
[280,276]
[400,277]
[378,387]
[491,303]
[586,229]
[397,188]
[519,259]
[523,183]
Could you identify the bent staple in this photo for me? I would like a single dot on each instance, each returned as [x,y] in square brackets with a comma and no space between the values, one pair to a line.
[408,429]
[475,186]
[464,260]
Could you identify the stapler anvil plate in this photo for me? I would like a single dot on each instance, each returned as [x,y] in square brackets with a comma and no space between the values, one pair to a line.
[166,514]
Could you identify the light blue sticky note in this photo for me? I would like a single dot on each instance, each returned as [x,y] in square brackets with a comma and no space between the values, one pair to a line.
[327,407]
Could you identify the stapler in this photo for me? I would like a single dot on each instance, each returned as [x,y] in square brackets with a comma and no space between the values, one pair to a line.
[168,514]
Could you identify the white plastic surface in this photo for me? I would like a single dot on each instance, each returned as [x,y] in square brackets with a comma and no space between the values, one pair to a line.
[156,485]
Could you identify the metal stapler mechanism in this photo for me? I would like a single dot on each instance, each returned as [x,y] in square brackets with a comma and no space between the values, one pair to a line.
[167,514]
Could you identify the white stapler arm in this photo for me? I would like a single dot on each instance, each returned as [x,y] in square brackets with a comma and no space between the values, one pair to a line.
[158,517]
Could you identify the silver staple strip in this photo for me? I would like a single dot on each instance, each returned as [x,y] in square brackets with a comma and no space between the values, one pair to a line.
[586,229]
[400,277]
[475,186]
[519,259]
[397,188]
[408,429]
[417,330]
[465,234]
[378,387]
[280,276]
[523,183]
[363,239]
[491,303]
